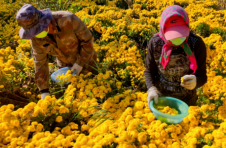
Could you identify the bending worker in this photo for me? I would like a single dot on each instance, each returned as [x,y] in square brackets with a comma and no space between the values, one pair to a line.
[175,54]
[61,34]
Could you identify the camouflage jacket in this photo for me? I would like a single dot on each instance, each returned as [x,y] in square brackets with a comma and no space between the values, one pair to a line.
[72,42]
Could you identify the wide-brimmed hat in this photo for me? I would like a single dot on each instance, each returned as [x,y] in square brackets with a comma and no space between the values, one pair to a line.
[32,21]
[176,27]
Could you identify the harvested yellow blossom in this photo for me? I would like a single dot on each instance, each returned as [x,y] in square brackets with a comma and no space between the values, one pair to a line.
[167,110]
[182,79]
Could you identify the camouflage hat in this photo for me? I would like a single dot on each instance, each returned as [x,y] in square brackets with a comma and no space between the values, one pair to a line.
[32,21]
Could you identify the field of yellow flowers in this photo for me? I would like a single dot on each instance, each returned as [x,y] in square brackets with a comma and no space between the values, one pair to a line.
[109,110]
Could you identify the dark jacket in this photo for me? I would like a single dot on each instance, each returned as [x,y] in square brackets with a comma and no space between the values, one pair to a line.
[167,81]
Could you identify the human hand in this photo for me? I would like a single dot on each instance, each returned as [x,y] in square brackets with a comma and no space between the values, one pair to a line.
[77,68]
[189,82]
[43,95]
[152,95]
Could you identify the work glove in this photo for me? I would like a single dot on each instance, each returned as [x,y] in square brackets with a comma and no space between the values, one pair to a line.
[152,94]
[43,95]
[189,82]
[77,68]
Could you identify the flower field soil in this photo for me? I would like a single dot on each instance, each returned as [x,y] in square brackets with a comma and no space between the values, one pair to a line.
[109,109]
[10,98]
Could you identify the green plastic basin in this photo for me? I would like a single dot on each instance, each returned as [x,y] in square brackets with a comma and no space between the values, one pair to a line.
[179,105]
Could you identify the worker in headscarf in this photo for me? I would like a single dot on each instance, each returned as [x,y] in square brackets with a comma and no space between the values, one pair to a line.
[176,59]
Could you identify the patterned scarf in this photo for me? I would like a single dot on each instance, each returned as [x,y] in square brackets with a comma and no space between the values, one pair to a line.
[170,11]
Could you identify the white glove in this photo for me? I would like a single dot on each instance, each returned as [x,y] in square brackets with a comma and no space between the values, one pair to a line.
[152,94]
[77,68]
[43,95]
[189,82]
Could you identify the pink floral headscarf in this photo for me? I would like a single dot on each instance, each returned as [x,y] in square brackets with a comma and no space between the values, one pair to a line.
[170,11]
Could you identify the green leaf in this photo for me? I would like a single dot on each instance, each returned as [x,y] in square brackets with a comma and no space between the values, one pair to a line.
[101,118]
[98,68]
[209,142]
[58,91]
[90,93]
[102,122]
[22,41]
